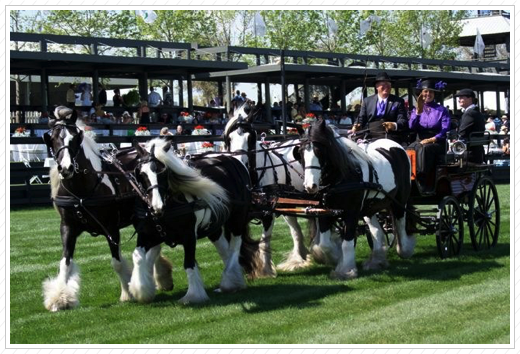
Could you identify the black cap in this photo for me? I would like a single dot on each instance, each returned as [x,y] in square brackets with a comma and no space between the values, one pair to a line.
[466,93]
[382,76]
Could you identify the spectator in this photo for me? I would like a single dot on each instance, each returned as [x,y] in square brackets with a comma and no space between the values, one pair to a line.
[164,118]
[102,95]
[144,113]
[498,123]
[44,118]
[490,125]
[167,96]
[345,120]
[505,121]
[165,132]
[315,105]
[127,118]
[71,96]
[86,96]
[237,97]
[179,130]
[276,110]
[117,99]
[212,103]
[506,148]
[154,99]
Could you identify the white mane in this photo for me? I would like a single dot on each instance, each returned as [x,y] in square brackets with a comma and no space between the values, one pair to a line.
[90,148]
[193,183]
[239,112]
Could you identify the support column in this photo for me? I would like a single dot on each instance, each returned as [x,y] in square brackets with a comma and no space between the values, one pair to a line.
[268,111]
[143,86]
[259,92]
[454,102]
[228,94]
[44,87]
[498,102]
[306,90]
[95,86]
[181,92]
[343,93]
[190,93]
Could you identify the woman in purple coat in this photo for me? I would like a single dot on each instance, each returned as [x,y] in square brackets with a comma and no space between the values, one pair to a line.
[431,122]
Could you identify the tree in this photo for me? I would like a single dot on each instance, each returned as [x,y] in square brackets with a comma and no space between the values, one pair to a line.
[443,28]
[292,29]
[90,23]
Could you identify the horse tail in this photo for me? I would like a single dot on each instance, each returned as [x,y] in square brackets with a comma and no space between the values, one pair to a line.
[250,253]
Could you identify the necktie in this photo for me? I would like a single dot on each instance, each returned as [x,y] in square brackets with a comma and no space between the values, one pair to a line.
[381,108]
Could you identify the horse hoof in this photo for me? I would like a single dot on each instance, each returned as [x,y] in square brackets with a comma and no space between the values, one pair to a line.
[369,265]
[351,274]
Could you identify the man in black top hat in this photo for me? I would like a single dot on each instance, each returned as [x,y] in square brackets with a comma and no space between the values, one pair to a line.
[471,121]
[382,112]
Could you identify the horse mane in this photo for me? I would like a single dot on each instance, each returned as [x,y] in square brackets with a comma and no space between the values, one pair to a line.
[90,148]
[342,156]
[185,179]
[235,114]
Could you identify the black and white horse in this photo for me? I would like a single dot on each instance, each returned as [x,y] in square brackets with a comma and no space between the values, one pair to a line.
[270,167]
[350,176]
[207,196]
[90,196]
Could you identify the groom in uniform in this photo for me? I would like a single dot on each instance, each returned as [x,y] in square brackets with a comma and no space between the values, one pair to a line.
[382,113]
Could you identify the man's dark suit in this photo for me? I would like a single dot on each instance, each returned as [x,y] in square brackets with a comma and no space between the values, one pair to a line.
[395,111]
[473,121]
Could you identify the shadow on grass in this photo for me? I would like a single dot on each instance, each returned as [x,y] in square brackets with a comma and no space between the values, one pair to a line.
[288,291]
[261,298]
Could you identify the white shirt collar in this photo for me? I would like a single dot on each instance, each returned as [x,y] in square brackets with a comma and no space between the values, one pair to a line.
[469,107]
[379,99]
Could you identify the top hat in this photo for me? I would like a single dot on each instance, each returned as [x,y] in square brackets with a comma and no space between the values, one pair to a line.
[382,76]
[466,93]
[430,85]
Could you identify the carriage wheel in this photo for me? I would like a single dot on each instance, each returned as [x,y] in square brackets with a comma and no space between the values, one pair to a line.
[484,215]
[450,228]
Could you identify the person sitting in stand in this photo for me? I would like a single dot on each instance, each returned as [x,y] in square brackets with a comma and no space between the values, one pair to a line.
[506,147]
[144,113]
[179,131]
[165,132]
[431,122]
[127,118]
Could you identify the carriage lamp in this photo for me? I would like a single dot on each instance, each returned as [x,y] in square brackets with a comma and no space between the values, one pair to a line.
[458,148]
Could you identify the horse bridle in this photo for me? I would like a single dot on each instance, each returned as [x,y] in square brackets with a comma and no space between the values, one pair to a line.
[153,160]
[55,154]
[303,143]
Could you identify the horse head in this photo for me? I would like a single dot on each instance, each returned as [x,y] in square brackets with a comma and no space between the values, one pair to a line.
[240,136]
[326,161]
[64,139]
[150,172]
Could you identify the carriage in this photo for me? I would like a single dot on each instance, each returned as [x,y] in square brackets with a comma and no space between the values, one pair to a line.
[463,192]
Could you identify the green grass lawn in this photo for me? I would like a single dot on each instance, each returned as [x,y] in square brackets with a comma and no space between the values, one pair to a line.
[420,300]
